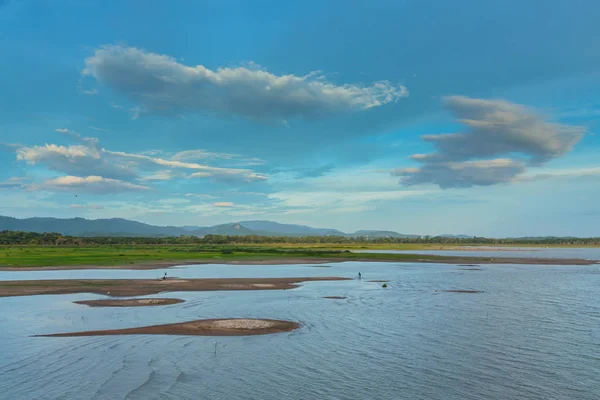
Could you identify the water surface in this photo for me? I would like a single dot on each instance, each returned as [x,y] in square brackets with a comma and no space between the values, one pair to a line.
[534,333]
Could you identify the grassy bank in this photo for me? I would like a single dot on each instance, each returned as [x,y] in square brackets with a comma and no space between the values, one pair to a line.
[34,256]
[119,255]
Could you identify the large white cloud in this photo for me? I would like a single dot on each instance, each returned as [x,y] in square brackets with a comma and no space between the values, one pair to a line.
[494,128]
[162,85]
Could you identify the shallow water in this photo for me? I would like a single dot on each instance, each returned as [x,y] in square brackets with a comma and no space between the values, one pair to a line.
[534,333]
[518,252]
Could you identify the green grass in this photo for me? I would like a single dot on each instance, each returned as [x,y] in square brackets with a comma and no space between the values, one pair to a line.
[40,256]
[32,256]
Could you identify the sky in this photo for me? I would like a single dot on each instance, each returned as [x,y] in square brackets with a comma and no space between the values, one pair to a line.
[418,116]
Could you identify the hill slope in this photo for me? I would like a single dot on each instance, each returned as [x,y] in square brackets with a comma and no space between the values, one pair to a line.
[124,227]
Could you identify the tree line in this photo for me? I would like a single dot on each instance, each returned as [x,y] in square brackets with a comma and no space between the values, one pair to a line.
[56,239]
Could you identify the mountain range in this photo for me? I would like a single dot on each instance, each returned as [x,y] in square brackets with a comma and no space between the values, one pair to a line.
[124,227]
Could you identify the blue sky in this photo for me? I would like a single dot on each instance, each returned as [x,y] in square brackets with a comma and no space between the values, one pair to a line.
[423,117]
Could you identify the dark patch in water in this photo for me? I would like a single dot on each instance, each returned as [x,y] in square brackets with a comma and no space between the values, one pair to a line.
[460,291]
[335,297]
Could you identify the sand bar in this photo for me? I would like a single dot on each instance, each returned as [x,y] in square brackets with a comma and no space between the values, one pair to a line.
[206,327]
[129,302]
[142,287]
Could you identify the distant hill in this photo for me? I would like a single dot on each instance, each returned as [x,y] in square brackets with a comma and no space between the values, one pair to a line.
[457,236]
[88,227]
[124,227]
[289,229]
[225,229]
[382,234]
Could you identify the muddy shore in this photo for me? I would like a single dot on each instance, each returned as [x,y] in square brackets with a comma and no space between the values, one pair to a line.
[206,327]
[310,260]
[142,287]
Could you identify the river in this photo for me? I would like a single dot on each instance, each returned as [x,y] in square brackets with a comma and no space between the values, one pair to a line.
[533,333]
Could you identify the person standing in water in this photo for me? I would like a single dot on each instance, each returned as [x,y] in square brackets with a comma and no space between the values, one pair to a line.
[359,276]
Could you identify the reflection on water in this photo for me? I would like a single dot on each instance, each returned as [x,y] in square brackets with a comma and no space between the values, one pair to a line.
[533,334]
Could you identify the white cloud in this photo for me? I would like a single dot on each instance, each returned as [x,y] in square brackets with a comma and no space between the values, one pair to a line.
[80,160]
[162,85]
[585,172]
[495,128]
[89,184]
[462,174]
[89,158]
[223,204]
[204,171]
[165,175]
[199,154]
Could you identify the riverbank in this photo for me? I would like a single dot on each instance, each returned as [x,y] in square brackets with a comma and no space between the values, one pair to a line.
[334,258]
[142,287]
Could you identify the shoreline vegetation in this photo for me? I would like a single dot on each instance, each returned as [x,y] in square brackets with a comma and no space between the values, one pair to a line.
[143,287]
[34,251]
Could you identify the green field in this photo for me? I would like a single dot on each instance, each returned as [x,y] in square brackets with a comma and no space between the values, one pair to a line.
[106,255]
[34,256]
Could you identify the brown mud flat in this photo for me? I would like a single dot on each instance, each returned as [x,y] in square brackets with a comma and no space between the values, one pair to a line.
[460,291]
[310,260]
[130,302]
[167,264]
[334,297]
[142,287]
[379,281]
[204,327]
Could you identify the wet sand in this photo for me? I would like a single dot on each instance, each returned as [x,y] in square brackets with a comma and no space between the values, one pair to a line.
[141,287]
[310,260]
[206,327]
[167,264]
[129,302]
